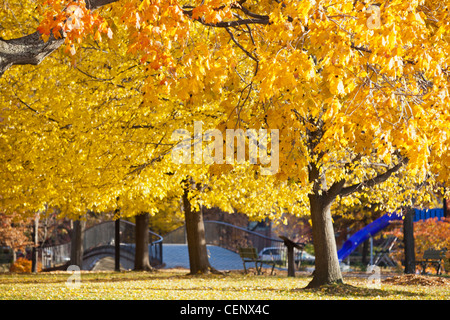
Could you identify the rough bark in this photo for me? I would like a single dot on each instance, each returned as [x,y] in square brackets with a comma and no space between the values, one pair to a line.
[141,257]
[29,49]
[77,248]
[34,256]
[195,234]
[327,269]
[408,240]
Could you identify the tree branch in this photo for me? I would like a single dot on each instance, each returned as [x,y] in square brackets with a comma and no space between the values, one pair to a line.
[254,18]
[31,49]
[374,181]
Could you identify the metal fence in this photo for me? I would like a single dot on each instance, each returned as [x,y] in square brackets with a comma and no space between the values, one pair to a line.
[100,236]
[54,256]
[227,236]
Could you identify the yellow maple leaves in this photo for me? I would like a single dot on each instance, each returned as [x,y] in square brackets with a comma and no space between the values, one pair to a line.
[336,89]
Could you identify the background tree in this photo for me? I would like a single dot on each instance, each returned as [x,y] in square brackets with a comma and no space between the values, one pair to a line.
[14,232]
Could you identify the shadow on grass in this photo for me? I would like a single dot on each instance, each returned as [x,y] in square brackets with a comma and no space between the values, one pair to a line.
[347,290]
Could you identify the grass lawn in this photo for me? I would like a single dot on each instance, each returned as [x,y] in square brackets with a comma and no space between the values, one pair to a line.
[176,285]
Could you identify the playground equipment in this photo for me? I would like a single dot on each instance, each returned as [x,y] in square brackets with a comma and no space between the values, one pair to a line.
[379,224]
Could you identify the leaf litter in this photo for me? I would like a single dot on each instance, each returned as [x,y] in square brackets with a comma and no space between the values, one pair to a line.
[415,279]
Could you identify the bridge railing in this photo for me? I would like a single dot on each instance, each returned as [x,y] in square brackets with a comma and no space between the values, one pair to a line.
[227,236]
[101,235]
[54,256]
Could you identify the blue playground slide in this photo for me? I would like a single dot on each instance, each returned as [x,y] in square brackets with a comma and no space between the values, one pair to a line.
[365,233]
[376,226]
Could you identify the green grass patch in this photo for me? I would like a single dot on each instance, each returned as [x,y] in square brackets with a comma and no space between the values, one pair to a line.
[176,285]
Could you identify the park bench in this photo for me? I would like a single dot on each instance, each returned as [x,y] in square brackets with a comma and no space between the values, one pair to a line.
[433,257]
[251,255]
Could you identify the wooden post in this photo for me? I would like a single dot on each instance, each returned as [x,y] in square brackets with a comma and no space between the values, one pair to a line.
[290,254]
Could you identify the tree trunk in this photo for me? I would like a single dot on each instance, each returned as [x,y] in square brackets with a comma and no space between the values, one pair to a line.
[365,250]
[446,207]
[327,269]
[196,241]
[141,257]
[34,254]
[408,240]
[117,245]
[14,256]
[77,248]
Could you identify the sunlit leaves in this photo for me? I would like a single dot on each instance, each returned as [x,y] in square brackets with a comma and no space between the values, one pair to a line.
[73,21]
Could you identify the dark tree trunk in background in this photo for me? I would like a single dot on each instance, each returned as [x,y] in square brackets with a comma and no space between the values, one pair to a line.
[365,250]
[446,207]
[141,258]
[195,233]
[117,245]
[408,239]
[34,254]
[77,248]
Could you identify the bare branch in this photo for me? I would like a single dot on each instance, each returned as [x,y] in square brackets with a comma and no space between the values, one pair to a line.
[382,177]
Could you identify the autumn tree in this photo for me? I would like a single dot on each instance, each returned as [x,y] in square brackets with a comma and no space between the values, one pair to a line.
[58,128]
[357,90]
[14,232]
[96,147]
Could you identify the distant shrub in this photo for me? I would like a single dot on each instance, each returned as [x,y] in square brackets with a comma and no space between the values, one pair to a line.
[22,265]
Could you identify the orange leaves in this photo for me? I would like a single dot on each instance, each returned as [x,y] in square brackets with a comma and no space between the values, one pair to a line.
[212,12]
[73,21]
[155,26]
[23,265]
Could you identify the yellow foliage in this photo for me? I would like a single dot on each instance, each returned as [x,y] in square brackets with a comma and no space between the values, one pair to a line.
[91,128]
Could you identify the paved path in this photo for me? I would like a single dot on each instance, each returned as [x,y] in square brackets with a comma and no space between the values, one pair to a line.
[176,255]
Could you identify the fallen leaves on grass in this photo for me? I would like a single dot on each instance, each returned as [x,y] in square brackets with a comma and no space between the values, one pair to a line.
[175,284]
[347,290]
[414,279]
